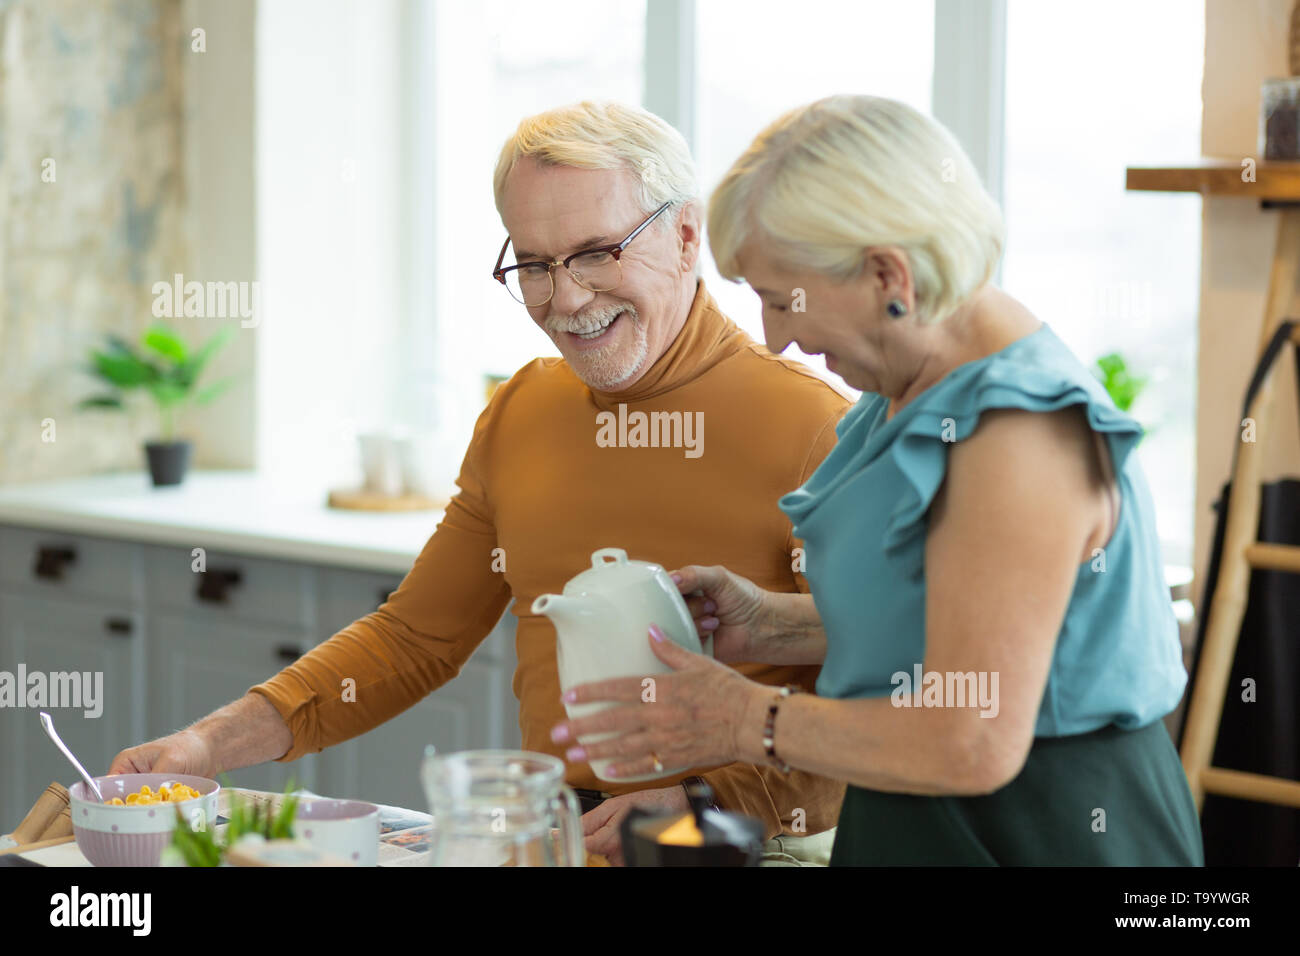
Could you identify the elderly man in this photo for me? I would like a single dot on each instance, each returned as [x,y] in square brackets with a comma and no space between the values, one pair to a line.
[600,206]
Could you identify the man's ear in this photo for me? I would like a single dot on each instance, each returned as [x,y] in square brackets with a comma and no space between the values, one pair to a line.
[689,232]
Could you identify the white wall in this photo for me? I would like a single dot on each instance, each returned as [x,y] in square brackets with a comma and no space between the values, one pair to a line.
[1244,44]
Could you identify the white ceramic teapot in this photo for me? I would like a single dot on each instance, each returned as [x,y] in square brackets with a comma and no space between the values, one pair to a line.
[602,623]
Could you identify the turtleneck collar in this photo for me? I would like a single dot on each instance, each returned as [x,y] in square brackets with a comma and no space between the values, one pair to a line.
[706,338]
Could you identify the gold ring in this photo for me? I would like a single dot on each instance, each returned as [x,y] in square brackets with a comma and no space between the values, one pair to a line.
[659,764]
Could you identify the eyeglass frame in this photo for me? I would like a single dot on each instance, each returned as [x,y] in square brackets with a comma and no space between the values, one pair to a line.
[616,250]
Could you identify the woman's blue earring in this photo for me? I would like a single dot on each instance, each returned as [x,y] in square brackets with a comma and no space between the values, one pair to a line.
[896,308]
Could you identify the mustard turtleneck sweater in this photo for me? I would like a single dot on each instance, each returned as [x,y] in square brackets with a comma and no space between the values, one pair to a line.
[540,482]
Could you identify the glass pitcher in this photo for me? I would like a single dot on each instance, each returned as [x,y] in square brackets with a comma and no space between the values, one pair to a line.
[501,808]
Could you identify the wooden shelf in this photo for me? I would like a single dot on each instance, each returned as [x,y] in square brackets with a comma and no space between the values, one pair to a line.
[1276,182]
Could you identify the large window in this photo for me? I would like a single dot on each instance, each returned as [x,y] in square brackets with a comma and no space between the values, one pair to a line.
[378,140]
[1110,270]
[493,63]
[759,58]
[534,61]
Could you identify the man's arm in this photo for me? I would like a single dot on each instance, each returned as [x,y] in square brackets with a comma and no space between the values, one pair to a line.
[392,658]
[373,669]
[245,732]
[384,663]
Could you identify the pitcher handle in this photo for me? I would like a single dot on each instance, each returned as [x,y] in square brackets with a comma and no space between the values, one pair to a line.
[571,826]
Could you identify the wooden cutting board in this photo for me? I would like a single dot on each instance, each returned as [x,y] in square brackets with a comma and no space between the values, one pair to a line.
[358,499]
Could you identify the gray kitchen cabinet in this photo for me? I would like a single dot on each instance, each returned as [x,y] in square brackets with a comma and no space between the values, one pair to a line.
[383,765]
[216,632]
[175,643]
[62,635]
[60,564]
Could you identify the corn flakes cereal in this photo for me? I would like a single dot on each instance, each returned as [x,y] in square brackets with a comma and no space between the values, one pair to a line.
[170,792]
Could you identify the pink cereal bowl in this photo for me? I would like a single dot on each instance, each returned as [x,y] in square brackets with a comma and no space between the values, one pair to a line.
[135,835]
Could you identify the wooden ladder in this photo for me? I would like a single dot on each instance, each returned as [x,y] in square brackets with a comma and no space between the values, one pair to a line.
[1243,553]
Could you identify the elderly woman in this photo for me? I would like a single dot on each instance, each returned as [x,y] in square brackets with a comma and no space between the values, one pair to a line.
[988,602]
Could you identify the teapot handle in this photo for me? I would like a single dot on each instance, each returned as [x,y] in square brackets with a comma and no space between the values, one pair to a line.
[616,556]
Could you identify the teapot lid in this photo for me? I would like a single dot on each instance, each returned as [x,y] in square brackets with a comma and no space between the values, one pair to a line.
[610,569]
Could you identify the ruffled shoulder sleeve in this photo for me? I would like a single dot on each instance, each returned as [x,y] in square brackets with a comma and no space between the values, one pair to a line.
[950,411]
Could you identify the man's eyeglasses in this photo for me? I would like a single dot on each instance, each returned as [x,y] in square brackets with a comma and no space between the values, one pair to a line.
[596,270]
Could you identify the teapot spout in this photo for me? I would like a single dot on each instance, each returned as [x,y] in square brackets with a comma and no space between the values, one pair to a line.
[563,610]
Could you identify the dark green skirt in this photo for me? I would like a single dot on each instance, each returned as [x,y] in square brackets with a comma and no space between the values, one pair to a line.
[1049,815]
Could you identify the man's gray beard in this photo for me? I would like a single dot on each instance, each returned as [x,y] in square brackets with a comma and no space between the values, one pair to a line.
[606,367]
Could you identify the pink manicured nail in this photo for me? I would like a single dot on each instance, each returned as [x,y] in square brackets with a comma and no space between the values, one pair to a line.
[709,607]
[677,578]
[575,754]
[709,623]
[570,696]
[560,734]
[657,634]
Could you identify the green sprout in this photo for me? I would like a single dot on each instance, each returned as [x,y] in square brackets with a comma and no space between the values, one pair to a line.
[202,848]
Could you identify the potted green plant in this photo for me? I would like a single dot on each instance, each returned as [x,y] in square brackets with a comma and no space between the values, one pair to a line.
[169,371]
[1119,381]
[1121,384]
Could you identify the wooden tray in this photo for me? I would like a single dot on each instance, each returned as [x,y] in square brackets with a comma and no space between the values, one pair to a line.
[358,499]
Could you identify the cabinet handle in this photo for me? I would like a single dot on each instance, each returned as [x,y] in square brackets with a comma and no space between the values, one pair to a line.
[214,586]
[288,652]
[50,560]
[119,625]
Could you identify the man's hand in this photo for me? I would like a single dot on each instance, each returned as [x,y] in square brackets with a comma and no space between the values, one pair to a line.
[182,752]
[245,732]
[601,826]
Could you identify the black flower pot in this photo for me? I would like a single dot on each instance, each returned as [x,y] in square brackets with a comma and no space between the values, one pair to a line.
[168,461]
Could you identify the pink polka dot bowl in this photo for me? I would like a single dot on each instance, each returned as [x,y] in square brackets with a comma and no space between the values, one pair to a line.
[136,835]
[348,829]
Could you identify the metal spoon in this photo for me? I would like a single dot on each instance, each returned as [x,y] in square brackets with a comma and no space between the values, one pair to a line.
[49,729]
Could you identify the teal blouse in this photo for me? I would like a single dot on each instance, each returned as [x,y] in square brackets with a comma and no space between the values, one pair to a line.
[863,517]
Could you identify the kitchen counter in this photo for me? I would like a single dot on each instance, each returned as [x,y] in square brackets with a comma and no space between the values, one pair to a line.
[243,511]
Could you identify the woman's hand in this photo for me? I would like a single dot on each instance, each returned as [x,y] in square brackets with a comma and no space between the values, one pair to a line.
[729,607]
[702,714]
[749,623]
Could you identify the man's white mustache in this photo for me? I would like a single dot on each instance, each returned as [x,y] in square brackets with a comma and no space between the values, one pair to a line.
[588,321]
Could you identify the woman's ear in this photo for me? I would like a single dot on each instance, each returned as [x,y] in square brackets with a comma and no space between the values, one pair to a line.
[891,273]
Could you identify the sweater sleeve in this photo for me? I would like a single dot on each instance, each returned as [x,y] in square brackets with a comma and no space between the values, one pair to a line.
[419,639]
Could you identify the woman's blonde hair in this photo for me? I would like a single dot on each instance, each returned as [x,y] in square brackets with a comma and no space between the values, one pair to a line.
[606,135]
[830,180]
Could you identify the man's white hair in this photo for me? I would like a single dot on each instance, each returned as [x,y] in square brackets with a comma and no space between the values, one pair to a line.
[607,135]
[826,182]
